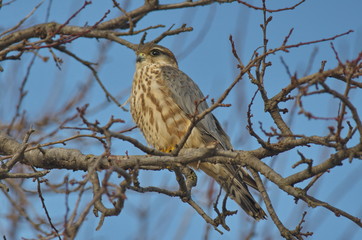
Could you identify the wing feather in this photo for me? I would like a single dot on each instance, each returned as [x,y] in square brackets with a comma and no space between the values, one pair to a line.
[186,94]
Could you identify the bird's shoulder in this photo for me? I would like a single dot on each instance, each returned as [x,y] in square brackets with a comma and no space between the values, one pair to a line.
[183,88]
[188,96]
[175,76]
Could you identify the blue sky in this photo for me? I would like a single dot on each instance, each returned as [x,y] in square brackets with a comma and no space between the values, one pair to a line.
[206,57]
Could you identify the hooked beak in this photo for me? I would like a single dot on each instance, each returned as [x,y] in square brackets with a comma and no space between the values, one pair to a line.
[140,57]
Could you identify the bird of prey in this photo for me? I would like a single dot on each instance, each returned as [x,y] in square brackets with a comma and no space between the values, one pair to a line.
[162,105]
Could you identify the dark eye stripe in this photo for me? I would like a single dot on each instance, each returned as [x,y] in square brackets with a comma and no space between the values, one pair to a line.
[155,52]
[162,51]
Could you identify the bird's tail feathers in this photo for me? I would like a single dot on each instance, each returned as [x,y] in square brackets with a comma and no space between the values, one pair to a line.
[240,194]
[234,181]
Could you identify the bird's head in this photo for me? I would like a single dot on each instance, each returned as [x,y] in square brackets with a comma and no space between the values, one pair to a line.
[150,53]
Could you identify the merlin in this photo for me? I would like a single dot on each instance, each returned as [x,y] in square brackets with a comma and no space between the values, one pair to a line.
[163,102]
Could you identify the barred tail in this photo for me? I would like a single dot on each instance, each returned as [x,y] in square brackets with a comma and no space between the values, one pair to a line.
[234,181]
[240,194]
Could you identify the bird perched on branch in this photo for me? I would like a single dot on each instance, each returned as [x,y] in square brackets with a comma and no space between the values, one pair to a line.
[163,102]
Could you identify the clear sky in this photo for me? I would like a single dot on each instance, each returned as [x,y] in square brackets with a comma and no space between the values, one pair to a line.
[205,56]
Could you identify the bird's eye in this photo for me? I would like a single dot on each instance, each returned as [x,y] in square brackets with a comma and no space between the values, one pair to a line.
[155,52]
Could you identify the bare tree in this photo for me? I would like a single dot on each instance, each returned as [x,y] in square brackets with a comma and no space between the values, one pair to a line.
[32,152]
